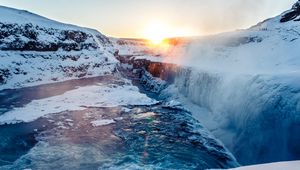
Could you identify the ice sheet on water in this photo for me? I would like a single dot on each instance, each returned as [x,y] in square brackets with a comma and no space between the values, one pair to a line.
[79,99]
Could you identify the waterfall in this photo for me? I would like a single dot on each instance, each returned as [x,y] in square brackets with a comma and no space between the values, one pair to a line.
[257,116]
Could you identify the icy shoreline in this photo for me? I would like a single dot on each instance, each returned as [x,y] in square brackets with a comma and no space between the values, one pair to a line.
[100,95]
[292,165]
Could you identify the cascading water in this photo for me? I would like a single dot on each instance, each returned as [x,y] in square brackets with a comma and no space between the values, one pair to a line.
[256,117]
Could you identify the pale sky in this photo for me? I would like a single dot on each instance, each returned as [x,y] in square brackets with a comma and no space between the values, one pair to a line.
[129,18]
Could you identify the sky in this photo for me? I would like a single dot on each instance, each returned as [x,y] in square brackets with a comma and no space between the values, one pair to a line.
[132,18]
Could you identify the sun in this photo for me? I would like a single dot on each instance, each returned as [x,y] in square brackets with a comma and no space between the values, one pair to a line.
[155,39]
[156,32]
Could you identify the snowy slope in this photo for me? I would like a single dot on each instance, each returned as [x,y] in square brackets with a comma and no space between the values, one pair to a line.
[270,47]
[36,50]
[11,15]
[293,165]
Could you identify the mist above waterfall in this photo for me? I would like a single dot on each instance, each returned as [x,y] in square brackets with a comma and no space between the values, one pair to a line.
[248,82]
[249,52]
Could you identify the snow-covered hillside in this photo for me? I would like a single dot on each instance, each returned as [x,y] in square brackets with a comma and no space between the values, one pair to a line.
[36,50]
[271,47]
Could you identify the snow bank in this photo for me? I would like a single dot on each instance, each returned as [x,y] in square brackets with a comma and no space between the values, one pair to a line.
[78,99]
[102,122]
[293,165]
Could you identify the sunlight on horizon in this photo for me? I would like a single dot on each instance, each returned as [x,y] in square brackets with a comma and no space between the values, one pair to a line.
[128,19]
[158,31]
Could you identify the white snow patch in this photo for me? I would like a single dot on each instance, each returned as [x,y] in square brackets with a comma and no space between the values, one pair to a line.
[149,57]
[144,115]
[126,110]
[118,118]
[78,99]
[292,165]
[102,122]
[174,104]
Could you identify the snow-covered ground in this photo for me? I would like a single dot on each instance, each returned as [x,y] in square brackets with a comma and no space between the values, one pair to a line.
[293,165]
[100,95]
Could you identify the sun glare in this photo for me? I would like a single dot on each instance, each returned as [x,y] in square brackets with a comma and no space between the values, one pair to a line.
[157,32]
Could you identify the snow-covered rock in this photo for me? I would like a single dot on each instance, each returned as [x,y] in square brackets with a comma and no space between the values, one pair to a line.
[25,31]
[36,50]
[292,14]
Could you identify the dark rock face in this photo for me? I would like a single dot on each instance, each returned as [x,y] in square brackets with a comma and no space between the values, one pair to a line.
[235,42]
[4,74]
[31,37]
[292,14]
[125,41]
[163,71]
